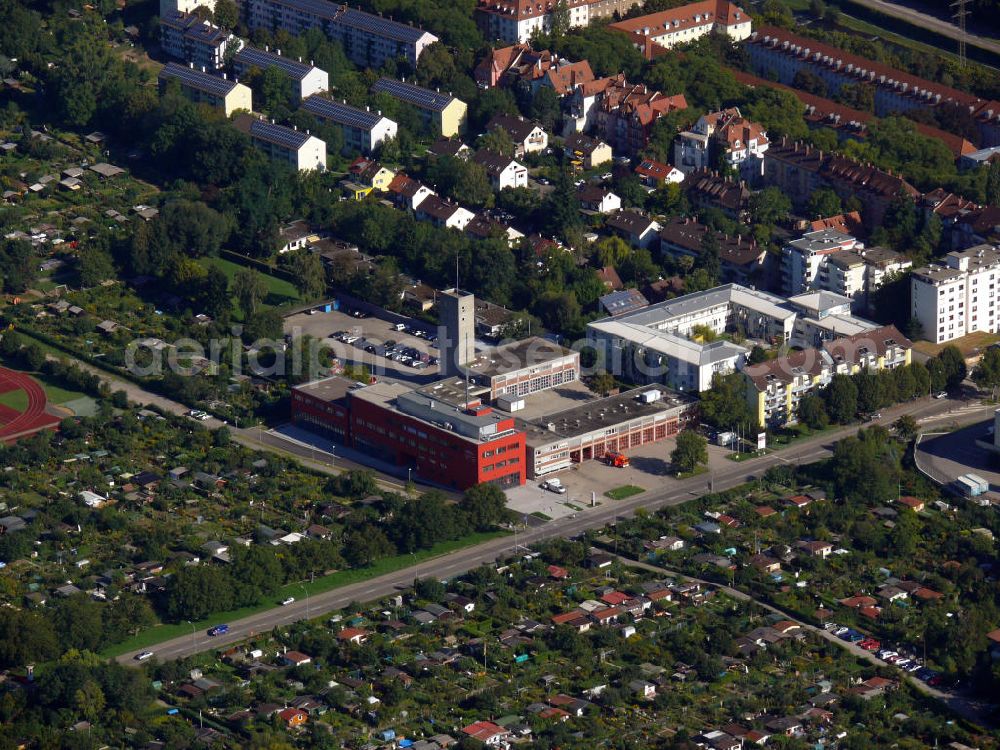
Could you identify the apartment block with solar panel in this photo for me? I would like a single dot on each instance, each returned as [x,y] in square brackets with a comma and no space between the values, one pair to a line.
[442,113]
[220,92]
[187,37]
[363,129]
[299,149]
[306,78]
[369,40]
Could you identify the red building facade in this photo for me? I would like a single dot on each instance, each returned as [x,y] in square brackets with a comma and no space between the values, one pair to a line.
[442,442]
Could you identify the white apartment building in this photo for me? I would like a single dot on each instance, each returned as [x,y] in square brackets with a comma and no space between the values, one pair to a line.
[369,40]
[297,148]
[363,129]
[203,88]
[857,273]
[958,297]
[687,23]
[514,21]
[306,79]
[186,37]
[802,259]
[654,344]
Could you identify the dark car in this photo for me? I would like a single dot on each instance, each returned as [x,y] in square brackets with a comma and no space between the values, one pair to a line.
[218,630]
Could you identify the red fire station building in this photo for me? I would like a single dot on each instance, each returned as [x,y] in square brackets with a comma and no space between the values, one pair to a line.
[441,431]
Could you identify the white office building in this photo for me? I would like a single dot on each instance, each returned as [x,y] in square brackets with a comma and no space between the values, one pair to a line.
[958,297]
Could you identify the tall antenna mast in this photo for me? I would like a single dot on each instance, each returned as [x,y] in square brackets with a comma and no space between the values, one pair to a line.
[959,17]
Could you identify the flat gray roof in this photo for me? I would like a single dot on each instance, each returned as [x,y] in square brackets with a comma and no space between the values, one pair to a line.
[329,389]
[599,414]
[517,356]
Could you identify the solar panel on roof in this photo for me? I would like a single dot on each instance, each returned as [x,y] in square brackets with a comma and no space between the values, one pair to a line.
[343,114]
[259,58]
[198,80]
[415,95]
[278,134]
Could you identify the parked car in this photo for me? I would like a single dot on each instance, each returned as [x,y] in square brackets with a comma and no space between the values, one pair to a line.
[554,485]
[941,394]
[287,601]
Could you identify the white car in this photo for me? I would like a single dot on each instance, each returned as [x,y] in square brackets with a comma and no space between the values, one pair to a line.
[607,176]
[554,485]
[941,394]
[288,601]
[144,655]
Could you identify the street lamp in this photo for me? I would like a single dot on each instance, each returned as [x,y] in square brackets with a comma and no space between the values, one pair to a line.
[194,643]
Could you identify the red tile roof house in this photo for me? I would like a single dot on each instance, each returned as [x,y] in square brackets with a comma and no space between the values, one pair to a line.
[607,616]
[872,613]
[856,602]
[786,626]
[913,503]
[295,658]
[487,732]
[799,501]
[764,511]
[558,573]
[293,717]
[577,619]
[356,636]
[614,598]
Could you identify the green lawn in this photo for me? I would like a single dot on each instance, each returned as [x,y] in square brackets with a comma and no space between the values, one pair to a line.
[159,633]
[16,400]
[625,491]
[59,395]
[279,291]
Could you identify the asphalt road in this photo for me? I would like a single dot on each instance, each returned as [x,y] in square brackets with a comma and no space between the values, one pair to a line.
[670,492]
[922,20]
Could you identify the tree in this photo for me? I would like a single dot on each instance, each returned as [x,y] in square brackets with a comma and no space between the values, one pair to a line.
[95,266]
[18,268]
[602,383]
[226,14]
[365,545]
[993,183]
[841,397]
[906,427]
[88,700]
[987,372]
[310,276]
[249,288]
[823,203]
[812,412]
[545,107]
[870,395]
[194,593]
[691,450]
[953,365]
[724,404]
[757,355]
[497,140]
[769,205]
[485,505]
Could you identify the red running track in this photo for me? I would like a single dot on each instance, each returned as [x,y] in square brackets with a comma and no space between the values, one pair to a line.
[34,417]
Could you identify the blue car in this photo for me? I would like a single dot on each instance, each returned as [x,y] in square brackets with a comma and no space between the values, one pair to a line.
[218,630]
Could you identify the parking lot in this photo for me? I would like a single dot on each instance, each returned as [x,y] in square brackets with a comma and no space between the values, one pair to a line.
[363,340]
[587,482]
